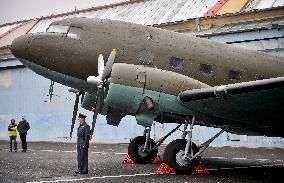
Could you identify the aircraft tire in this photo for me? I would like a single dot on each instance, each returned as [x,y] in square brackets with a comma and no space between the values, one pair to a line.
[173,153]
[135,150]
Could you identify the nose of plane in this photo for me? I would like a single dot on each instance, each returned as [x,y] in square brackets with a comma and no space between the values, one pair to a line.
[57,52]
[19,46]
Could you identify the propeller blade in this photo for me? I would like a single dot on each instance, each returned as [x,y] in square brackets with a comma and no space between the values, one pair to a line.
[74,114]
[98,108]
[101,65]
[109,64]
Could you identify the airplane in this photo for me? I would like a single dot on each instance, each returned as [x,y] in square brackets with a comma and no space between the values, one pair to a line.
[159,75]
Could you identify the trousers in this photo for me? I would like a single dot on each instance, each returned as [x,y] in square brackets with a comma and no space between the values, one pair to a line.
[82,158]
[24,142]
[13,138]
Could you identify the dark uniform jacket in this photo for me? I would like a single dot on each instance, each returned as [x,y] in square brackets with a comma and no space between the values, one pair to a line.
[23,127]
[83,135]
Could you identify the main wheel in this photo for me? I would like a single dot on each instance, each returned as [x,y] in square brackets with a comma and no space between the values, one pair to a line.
[136,150]
[174,156]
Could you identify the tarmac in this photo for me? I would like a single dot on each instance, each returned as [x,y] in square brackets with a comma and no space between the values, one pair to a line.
[56,162]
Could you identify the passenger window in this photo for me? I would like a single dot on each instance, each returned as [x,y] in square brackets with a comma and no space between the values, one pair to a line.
[58,28]
[176,62]
[146,56]
[205,68]
[234,75]
[74,32]
[260,77]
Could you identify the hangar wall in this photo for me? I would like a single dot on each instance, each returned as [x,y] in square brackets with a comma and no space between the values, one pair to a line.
[22,92]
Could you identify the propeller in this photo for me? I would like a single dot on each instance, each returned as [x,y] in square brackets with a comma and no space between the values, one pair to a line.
[75,111]
[101,82]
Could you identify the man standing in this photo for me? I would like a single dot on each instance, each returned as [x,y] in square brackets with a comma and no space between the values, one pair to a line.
[83,137]
[23,128]
[12,133]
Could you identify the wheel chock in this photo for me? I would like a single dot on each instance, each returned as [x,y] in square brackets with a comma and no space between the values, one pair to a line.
[129,160]
[156,160]
[165,169]
[200,169]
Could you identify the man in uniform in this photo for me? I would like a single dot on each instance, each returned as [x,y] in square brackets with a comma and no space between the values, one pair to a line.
[23,128]
[83,137]
[12,133]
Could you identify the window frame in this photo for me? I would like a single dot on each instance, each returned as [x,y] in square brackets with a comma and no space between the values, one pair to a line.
[173,64]
[232,72]
[79,37]
[68,27]
[204,69]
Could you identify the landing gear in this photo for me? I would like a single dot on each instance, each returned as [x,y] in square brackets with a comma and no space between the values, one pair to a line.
[182,154]
[137,150]
[179,153]
[144,149]
[174,156]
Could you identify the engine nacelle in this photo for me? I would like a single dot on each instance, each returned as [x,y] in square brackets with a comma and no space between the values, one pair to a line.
[130,84]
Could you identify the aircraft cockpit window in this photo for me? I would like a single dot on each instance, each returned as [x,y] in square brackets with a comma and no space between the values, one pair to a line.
[58,28]
[74,32]
[205,68]
[176,62]
[234,75]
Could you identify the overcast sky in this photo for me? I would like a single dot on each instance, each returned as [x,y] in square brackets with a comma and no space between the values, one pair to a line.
[15,10]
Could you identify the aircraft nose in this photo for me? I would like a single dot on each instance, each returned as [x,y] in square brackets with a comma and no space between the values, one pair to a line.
[19,46]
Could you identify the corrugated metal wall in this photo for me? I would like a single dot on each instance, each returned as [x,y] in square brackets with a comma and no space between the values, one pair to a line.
[262,35]
[146,13]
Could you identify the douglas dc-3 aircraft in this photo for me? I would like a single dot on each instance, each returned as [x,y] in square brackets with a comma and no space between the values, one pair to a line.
[163,76]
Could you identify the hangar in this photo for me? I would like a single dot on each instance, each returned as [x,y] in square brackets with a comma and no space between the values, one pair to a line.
[250,24]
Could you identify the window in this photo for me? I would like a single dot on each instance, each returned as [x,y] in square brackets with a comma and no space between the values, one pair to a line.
[58,28]
[74,32]
[260,77]
[176,62]
[205,68]
[234,75]
[146,56]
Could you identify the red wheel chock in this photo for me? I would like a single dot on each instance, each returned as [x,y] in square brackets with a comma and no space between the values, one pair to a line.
[156,160]
[165,169]
[200,169]
[129,160]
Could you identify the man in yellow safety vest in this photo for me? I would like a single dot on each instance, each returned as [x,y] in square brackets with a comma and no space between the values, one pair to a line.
[12,133]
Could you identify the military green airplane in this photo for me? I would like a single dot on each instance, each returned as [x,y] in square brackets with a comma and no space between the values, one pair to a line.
[163,76]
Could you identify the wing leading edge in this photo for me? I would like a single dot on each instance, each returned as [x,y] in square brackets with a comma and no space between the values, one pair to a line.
[252,108]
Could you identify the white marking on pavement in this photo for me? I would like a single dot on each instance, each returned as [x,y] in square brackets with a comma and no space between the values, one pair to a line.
[278,164]
[49,151]
[255,166]
[241,167]
[92,178]
[267,165]
[120,153]
[212,169]
[217,157]
[69,151]
[226,168]
[262,159]
[239,158]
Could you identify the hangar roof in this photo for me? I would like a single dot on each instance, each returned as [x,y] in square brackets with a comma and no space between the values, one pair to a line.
[150,12]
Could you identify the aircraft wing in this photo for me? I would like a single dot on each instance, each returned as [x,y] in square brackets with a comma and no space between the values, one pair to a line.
[245,108]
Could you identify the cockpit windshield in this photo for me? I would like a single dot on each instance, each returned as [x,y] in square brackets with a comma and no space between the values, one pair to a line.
[58,28]
[70,31]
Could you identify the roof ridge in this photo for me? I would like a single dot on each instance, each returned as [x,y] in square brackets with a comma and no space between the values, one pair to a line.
[14,28]
[96,8]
